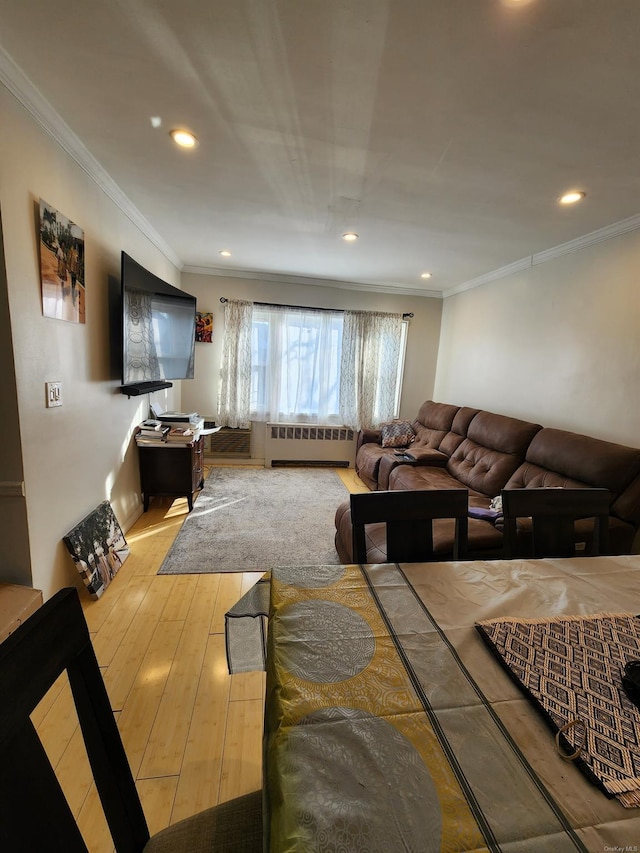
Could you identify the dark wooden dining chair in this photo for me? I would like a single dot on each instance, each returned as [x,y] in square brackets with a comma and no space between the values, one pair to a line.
[34,813]
[409,517]
[553,513]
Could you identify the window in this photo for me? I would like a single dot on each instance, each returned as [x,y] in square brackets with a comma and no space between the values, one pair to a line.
[295,365]
[309,365]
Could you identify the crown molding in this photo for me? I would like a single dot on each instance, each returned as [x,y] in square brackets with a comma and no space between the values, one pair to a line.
[282,278]
[502,272]
[624,226]
[29,96]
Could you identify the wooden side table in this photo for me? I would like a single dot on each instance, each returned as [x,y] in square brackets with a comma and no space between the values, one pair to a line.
[171,470]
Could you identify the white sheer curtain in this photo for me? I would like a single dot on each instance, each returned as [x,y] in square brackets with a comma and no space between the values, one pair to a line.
[371,347]
[296,357]
[235,373]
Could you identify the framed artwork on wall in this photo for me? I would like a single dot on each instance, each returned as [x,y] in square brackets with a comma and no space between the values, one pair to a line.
[204,327]
[61,266]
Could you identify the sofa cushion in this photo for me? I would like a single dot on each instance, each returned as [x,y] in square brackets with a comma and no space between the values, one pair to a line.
[485,537]
[530,476]
[559,458]
[410,477]
[422,455]
[494,448]
[627,504]
[433,423]
[585,459]
[459,429]
[438,416]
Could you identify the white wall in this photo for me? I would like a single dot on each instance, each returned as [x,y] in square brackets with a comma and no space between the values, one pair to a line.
[558,344]
[78,455]
[201,394]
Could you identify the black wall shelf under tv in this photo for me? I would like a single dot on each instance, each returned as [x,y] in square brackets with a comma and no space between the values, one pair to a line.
[138,388]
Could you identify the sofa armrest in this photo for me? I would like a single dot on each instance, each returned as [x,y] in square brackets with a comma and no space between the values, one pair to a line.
[424,456]
[368,436]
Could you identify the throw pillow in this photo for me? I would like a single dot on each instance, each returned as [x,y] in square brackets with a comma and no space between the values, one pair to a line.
[397,434]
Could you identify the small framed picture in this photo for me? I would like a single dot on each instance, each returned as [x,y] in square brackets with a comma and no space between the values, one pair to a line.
[204,327]
[61,266]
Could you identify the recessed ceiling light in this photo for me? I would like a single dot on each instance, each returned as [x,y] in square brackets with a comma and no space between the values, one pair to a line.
[156,121]
[571,197]
[349,237]
[425,275]
[225,253]
[184,138]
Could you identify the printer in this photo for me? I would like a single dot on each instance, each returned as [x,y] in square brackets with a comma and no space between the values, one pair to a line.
[181,419]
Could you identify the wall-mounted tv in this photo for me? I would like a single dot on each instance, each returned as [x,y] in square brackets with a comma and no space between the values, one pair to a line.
[158,330]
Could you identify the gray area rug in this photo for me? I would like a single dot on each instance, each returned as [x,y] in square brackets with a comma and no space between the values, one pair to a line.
[251,519]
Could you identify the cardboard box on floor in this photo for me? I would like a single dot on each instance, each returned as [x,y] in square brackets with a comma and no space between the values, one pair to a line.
[17,603]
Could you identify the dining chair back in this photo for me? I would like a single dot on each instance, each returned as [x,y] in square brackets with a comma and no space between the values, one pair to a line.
[553,513]
[34,812]
[409,517]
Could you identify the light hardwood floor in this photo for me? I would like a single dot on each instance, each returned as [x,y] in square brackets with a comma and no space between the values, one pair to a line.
[191,731]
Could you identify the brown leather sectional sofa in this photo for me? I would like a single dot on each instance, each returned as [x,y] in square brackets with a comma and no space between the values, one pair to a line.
[459,447]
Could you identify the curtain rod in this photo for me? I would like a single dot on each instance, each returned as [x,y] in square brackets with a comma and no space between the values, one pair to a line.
[405,316]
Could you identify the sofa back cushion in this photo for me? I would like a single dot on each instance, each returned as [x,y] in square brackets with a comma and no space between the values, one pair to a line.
[459,429]
[494,448]
[559,458]
[433,422]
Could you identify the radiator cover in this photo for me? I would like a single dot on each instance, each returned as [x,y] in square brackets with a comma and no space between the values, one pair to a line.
[290,444]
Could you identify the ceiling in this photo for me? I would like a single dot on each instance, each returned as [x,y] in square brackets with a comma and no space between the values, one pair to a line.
[440,131]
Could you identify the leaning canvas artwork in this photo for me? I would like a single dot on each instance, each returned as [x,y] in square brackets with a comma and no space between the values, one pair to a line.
[61,266]
[98,548]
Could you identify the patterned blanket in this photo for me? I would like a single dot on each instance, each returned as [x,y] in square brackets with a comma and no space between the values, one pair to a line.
[571,667]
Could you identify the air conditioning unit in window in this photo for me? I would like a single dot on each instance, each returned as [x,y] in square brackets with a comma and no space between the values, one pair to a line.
[228,443]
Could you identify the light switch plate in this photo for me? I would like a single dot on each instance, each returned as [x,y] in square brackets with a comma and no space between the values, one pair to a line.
[53,394]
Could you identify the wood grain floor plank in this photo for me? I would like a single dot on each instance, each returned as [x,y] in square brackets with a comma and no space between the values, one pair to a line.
[59,724]
[127,658]
[157,797]
[242,761]
[199,784]
[164,752]
[177,606]
[44,706]
[74,773]
[115,626]
[141,706]
[93,825]
[247,685]
[229,593]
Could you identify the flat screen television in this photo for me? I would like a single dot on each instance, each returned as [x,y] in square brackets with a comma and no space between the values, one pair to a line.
[158,330]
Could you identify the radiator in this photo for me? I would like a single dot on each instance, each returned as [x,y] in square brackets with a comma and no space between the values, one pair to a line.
[295,444]
[229,443]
